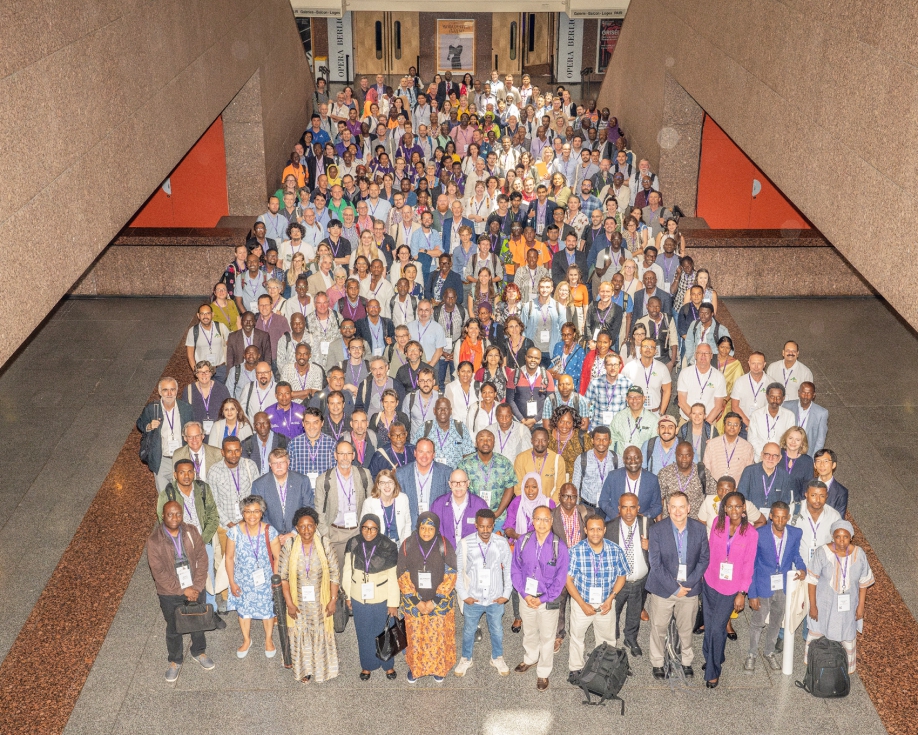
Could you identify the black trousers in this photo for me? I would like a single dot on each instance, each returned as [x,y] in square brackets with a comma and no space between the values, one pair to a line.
[632,596]
[174,640]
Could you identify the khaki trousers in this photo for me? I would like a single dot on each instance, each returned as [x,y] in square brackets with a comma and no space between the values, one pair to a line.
[660,610]
[539,629]
[603,630]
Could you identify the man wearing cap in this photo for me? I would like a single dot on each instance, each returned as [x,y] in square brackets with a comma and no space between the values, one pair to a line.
[660,450]
[633,425]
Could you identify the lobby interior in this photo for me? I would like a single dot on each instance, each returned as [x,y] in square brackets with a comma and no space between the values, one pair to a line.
[122,98]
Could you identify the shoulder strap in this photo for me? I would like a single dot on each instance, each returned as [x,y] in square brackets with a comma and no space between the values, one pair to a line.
[170,492]
[523,539]
[703,476]
[428,425]
[327,490]
[651,445]
[583,464]
[460,428]
[196,332]
[411,402]
[554,548]
[797,511]
[188,389]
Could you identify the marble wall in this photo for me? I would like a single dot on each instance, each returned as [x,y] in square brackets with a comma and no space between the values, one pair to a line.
[817,94]
[101,99]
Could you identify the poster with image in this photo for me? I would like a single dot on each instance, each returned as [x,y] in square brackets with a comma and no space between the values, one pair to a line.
[456,46]
[608,37]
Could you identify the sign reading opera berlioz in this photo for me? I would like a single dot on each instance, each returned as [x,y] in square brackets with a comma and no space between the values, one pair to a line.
[340,49]
[569,59]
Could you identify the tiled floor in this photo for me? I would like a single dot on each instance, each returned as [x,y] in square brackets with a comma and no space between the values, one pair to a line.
[67,402]
[64,419]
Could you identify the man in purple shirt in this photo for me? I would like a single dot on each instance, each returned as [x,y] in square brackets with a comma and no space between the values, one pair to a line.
[539,573]
[286,416]
[275,325]
[457,510]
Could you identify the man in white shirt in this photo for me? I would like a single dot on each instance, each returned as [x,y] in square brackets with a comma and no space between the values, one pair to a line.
[629,530]
[207,341]
[769,423]
[702,383]
[790,372]
[749,391]
[652,375]
[428,333]
[511,438]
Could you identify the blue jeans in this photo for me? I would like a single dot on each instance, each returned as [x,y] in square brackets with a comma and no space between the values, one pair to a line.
[472,614]
[444,371]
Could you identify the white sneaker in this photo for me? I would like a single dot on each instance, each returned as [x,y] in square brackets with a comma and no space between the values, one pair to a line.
[464,665]
[498,663]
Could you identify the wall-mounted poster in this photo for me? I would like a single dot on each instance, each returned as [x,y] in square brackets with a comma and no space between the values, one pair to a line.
[456,46]
[608,36]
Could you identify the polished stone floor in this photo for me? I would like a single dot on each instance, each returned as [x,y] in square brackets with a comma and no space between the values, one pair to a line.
[67,402]
[92,393]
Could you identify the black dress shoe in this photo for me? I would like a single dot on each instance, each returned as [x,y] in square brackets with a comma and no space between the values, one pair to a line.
[390,675]
[658,672]
[517,628]
[688,671]
[698,630]
[364,676]
[635,649]
[732,636]
[712,684]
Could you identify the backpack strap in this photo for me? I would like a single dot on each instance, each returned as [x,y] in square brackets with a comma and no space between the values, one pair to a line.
[651,445]
[796,512]
[583,464]
[460,428]
[327,485]
[428,425]
[196,332]
[703,476]
[523,539]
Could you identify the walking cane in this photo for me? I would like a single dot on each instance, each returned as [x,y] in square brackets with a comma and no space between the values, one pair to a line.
[280,611]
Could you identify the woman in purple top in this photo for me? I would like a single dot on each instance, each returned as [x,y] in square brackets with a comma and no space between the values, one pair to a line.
[733,542]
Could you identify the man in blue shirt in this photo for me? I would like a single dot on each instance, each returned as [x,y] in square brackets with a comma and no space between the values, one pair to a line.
[597,573]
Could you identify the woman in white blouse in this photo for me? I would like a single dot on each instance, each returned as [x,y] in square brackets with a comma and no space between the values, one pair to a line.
[390,505]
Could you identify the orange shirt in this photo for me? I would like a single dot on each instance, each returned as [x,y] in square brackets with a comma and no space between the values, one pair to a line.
[299,173]
[580,296]
[518,250]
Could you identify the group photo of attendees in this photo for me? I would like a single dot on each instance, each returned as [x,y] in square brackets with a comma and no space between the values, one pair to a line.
[463,375]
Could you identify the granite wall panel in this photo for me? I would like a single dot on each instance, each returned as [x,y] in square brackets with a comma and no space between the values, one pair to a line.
[101,101]
[815,93]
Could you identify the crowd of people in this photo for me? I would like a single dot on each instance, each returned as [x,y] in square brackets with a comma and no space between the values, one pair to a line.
[438,376]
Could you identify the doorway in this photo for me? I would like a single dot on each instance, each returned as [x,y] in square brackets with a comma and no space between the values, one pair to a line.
[385,42]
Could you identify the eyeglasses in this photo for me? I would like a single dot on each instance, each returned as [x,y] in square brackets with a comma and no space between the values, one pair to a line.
[569,496]
[458,482]
[771,456]
[369,529]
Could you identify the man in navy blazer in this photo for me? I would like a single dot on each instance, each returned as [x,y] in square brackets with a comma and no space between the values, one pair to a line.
[284,492]
[541,212]
[769,582]
[445,278]
[811,417]
[423,480]
[825,464]
[631,479]
[679,555]
[643,295]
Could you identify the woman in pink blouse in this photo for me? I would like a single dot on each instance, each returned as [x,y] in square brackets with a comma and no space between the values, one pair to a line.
[733,542]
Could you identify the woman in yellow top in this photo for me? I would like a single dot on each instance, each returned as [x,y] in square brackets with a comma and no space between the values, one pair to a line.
[730,367]
[310,577]
[224,308]
[559,191]
[371,589]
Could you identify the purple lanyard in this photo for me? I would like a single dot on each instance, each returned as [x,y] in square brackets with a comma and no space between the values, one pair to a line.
[404,460]
[210,339]
[441,439]
[601,467]
[354,375]
[544,460]
[282,492]
[376,333]
[698,378]
[769,486]
[787,376]
[683,488]
[235,478]
[421,549]
[755,392]
[177,543]
[730,456]
[778,550]
[171,421]
[632,487]
[348,496]
[503,441]
[366,559]
[730,540]
[422,486]
[425,408]
[637,425]
[337,431]
[844,586]
[254,544]
[313,451]
[308,558]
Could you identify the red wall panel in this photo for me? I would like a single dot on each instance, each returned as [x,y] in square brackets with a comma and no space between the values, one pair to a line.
[199,196]
[725,179]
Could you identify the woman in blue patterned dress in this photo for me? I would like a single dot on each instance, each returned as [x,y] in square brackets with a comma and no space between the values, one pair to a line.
[251,550]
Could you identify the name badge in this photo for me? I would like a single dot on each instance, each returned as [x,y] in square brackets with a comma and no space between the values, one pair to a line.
[377,351]
[253,307]
[532,586]
[485,495]
[350,520]
[258,577]
[313,476]
[441,460]
[765,511]
[323,347]
[424,581]
[470,520]
[596,334]
[726,571]
[531,409]
[367,591]
[647,401]
[607,417]
[844,603]
[309,593]
[595,596]
[423,507]
[682,573]
[173,445]
[208,425]
[812,554]
[184,575]
[545,335]
[777,582]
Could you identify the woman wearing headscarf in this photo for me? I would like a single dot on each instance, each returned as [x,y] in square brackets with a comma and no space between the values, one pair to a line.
[519,523]
[426,577]
[310,577]
[371,589]
[838,577]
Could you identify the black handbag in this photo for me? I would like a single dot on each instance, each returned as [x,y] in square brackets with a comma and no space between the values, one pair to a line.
[196,617]
[339,619]
[148,440]
[392,640]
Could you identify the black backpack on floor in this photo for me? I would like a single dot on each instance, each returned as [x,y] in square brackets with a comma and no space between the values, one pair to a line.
[826,670]
[604,674]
